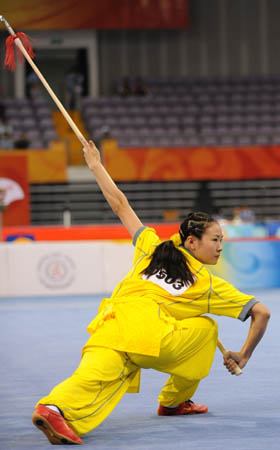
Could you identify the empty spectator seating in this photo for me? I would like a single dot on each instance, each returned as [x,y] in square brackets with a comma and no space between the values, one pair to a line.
[240,111]
[32,119]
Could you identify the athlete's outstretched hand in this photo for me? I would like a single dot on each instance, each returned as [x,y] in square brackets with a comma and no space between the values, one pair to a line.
[91,154]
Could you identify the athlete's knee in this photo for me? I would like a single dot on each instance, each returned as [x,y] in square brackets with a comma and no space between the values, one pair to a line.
[100,364]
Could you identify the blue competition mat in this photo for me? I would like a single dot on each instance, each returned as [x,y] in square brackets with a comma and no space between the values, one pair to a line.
[41,341]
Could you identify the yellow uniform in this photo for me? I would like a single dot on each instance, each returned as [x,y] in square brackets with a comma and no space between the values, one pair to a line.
[148,323]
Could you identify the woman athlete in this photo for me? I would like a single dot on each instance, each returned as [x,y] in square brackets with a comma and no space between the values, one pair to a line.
[154,319]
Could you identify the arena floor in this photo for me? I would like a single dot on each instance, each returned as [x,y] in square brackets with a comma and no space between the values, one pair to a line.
[41,341]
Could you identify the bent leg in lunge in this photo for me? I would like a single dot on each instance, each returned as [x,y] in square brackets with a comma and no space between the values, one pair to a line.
[92,392]
[187,355]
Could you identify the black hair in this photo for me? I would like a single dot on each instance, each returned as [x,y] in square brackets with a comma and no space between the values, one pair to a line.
[195,224]
[169,259]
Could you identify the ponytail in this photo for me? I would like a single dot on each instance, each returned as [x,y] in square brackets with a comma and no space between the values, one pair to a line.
[168,258]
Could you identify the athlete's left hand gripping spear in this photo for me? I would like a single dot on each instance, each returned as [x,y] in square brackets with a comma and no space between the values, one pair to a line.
[23,45]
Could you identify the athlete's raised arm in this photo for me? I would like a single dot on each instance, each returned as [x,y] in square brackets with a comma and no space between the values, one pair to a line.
[114,196]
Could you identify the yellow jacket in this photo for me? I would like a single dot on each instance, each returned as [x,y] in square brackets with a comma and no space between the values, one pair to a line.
[141,312]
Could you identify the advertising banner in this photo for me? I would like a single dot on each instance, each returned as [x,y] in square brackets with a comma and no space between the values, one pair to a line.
[59,269]
[14,189]
[171,164]
[250,264]
[105,14]
[55,269]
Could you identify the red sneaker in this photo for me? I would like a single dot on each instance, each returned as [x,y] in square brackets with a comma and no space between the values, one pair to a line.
[54,426]
[185,408]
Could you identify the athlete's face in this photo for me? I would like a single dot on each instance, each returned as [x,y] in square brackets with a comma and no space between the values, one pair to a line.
[209,247]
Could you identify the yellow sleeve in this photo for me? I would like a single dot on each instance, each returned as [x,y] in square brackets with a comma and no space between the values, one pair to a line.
[145,240]
[226,300]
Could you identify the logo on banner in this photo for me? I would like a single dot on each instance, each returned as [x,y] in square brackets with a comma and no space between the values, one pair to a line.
[56,271]
[12,191]
[20,237]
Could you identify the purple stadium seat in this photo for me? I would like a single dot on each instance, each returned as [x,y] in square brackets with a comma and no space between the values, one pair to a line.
[210,141]
[130,131]
[193,141]
[29,122]
[139,120]
[251,129]
[172,131]
[237,119]
[110,120]
[32,133]
[125,120]
[158,131]
[276,140]
[43,112]
[236,129]
[188,120]
[95,122]
[189,131]
[49,135]
[46,122]
[205,119]
[262,140]
[154,120]
[11,112]
[144,131]
[222,130]
[244,140]
[227,141]
[223,119]
[208,109]
[37,143]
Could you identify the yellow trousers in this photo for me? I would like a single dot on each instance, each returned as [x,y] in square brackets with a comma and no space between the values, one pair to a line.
[104,375]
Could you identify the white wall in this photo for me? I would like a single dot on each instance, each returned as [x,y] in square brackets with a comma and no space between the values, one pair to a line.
[46,269]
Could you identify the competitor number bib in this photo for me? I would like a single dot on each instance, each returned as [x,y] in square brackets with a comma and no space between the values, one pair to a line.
[176,288]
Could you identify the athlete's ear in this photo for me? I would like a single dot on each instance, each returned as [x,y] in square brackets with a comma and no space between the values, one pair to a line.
[190,243]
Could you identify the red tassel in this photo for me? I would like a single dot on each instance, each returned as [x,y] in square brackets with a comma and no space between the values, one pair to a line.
[10,52]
